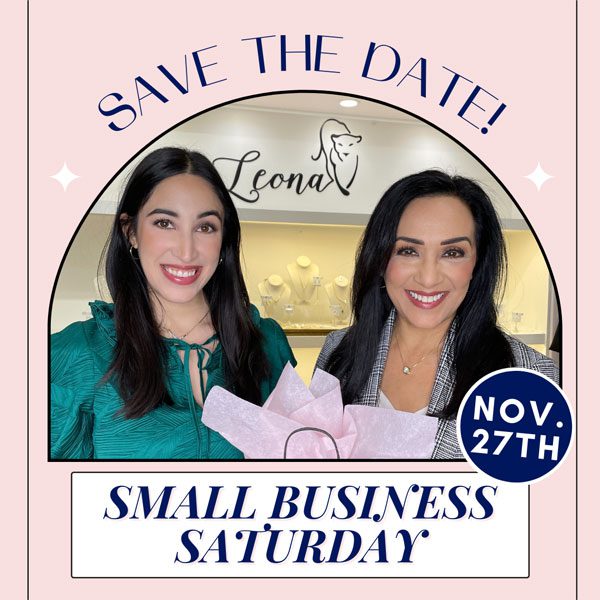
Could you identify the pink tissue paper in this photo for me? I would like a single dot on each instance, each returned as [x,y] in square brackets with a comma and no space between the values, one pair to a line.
[358,431]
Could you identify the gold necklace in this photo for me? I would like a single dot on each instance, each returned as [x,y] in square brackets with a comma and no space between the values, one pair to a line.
[170,331]
[407,369]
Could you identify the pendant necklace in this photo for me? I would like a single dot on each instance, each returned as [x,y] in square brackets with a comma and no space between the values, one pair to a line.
[304,285]
[407,369]
[305,282]
[340,296]
[170,331]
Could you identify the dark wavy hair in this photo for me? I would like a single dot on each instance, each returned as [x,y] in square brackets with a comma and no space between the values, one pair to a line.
[480,347]
[138,366]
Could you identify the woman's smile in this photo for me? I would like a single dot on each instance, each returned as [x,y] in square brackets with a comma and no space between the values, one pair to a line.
[426,300]
[182,274]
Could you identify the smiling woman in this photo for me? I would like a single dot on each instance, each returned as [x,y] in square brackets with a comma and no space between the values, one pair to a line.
[178,238]
[130,382]
[430,263]
[428,277]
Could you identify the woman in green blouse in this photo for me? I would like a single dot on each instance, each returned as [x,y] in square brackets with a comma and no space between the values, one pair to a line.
[130,383]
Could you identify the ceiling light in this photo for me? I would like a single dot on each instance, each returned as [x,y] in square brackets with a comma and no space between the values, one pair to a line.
[348,103]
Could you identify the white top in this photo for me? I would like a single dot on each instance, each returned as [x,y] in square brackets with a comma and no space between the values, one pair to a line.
[384,402]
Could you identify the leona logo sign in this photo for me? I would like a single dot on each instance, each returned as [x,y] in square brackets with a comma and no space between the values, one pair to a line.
[337,153]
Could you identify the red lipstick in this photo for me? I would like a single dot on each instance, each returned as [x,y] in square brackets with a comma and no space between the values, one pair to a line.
[426,300]
[181,274]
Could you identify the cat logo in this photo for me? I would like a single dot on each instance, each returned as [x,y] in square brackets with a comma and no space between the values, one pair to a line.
[340,149]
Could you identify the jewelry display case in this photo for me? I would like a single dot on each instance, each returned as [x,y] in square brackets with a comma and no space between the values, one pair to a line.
[303,280]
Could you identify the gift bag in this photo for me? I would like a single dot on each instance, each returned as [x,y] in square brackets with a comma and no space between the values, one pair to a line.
[318,412]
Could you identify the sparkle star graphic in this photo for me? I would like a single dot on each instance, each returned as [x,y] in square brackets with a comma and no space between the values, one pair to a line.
[538,177]
[65,176]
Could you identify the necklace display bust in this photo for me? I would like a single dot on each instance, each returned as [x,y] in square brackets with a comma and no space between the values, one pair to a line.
[338,293]
[338,290]
[274,290]
[305,279]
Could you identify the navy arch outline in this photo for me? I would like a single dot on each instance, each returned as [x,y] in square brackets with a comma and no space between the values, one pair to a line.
[221,105]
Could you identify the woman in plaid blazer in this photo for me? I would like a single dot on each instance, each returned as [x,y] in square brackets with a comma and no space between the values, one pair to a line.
[430,263]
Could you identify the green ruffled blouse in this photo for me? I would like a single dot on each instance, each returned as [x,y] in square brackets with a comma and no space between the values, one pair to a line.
[85,412]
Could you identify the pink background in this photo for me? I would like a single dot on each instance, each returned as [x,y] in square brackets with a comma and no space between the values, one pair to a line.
[524,52]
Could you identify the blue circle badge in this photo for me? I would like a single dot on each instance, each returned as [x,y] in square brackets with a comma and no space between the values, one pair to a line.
[515,425]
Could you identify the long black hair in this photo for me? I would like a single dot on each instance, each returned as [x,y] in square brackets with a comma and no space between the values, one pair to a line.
[480,347]
[138,366]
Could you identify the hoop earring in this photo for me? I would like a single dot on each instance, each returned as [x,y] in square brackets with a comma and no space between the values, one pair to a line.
[131,249]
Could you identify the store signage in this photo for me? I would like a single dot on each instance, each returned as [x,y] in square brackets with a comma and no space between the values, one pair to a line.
[337,155]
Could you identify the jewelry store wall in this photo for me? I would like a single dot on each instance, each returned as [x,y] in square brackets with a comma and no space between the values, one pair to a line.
[305,175]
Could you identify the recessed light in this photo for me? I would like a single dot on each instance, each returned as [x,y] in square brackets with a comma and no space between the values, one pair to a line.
[348,103]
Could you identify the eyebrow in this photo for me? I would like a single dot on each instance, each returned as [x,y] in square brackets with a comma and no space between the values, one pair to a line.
[172,213]
[462,238]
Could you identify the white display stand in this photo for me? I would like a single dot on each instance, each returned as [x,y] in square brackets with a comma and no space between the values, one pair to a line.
[273,291]
[305,279]
[338,292]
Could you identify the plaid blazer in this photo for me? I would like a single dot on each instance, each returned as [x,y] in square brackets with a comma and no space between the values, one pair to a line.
[446,442]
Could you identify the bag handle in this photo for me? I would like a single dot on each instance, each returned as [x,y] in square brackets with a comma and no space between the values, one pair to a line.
[300,429]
